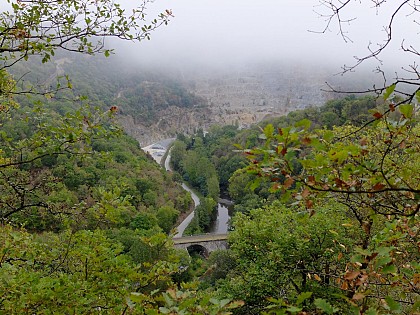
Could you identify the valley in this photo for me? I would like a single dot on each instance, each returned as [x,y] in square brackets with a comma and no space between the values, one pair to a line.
[231,171]
[155,104]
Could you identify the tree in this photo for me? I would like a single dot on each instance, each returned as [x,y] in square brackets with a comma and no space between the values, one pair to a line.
[76,272]
[36,27]
[373,171]
[167,216]
[205,213]
[399,17]
[32,27]
[78,268]
[282,252]
[178,153]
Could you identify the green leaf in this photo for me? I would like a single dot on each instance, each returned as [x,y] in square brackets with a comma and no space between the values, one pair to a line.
[324,306]
[262,137]
[382,261]
[418,96]
[389,90]
[384,251]
[305,123]
[255,184]
[393,305]
[107,53]
[268,131]
[293,309]
[328,135]
[406,110]
[214,301]
[136,297]
[389,269]
[302,297]
[168,300]
[276,301]
[224,302]
[371,311]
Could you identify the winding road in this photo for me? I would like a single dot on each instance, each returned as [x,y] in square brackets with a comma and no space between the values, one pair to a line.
[181,228]
[220,226]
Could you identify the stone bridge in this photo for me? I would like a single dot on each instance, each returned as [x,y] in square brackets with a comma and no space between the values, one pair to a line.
[202,244]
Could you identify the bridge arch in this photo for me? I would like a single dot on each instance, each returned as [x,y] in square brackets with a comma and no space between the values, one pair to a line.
[205,244]
[199,249]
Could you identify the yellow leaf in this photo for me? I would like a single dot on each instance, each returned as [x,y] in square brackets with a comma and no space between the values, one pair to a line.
[358,296]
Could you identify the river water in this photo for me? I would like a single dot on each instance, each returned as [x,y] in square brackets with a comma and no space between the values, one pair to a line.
[221,225]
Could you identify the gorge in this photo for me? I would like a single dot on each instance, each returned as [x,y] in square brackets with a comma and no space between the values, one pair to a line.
[221,223]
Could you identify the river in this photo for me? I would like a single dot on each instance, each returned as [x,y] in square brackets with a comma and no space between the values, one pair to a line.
[220,226]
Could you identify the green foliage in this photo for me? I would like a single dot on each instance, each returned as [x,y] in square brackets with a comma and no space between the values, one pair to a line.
[280,307]
[144,221]
[69,272]
[372,172]
[280,252]
[194,227]
[218,265]
[95,204]
[110,209]
[343,240]
[389,90]
[334,113]
[325,306]
[214,154]
[56,167]
[85,272]
[248,192]
[30,156]
[143,97]
[205,213]
[189,302]
[76,26]
[188,157]
[166,216]
[197,170]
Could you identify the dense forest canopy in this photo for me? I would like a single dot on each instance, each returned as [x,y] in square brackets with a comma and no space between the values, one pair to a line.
[326,215]
[85,213]
[323,196]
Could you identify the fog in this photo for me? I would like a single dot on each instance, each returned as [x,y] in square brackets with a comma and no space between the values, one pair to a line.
[228,33]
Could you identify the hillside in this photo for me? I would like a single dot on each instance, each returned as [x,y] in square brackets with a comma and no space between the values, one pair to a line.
[151,105]
[156,103]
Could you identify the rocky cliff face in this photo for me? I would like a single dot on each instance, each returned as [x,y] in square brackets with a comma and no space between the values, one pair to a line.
[170,121]
[241,96]
[244,96]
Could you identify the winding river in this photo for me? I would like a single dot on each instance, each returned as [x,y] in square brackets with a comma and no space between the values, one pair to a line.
[220,226]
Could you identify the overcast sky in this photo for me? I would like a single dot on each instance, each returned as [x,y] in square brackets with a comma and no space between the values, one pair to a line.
[229,31]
